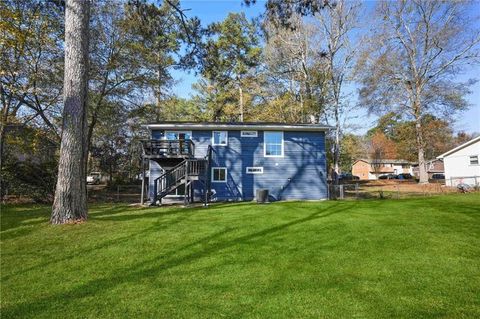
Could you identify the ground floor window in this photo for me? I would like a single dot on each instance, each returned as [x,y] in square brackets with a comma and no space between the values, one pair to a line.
[180,191]
[219,174]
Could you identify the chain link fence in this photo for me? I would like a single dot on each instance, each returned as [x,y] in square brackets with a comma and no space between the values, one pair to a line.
[115,194]
[455,181]
[387,190]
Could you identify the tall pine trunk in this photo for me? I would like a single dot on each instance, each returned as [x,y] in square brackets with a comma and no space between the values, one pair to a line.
[240,96]
[70,203]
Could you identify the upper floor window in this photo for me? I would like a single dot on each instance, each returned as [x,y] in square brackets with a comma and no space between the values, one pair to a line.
[249,134]
[273,144]
[474,160]
[220,138]
[254,170]
[178,135]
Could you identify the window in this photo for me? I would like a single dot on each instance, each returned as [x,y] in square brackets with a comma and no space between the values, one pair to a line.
[273,144]
[405,166]
[254,170]
[219,174]
[248,133]
[178,135]
[220,137]
[474,160]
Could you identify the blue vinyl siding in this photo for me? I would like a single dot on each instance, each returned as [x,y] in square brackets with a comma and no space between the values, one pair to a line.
[299,174]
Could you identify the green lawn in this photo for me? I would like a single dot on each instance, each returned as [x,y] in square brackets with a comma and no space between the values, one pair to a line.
[409,258]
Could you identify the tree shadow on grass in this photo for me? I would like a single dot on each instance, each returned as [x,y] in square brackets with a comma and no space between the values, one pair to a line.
[127,213]
[107,213]
[18,221]
[156,227]
[151,267]
[14,216]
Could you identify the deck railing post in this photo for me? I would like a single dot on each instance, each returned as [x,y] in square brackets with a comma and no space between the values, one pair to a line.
[155,191]
[143,182]
[186,183]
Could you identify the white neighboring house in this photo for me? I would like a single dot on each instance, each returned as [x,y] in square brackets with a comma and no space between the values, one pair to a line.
[462,164]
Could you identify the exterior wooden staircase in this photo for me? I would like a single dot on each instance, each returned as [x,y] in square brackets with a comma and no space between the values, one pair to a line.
[185,173]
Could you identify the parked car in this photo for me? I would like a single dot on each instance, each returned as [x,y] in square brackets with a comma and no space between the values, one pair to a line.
[94,178]
[404,176]
[388,176]
[438,176]
[348,177]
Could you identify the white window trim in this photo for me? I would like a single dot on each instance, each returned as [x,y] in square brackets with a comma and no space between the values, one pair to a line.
[213,139]
[226,176]
[242,134]
[254,167]
[470,161]
[265,144]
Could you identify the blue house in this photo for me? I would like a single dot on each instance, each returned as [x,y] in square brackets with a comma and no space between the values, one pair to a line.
[231,161]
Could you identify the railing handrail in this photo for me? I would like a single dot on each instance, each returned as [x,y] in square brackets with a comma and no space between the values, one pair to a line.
[178,146]
[167,172]
[162,140]
[188,167]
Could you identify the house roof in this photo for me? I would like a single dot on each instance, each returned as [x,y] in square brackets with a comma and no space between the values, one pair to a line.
[383,161]
[453,150]
[266,126]
[430,161]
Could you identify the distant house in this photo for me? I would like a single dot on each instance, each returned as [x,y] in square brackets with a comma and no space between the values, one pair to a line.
[434,166]
[231,161]
[462,164]
[368,169]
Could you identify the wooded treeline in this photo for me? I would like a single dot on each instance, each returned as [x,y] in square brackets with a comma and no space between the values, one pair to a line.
[400,61]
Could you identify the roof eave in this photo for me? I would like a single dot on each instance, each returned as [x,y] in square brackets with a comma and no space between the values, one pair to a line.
[266,127]
[453,150]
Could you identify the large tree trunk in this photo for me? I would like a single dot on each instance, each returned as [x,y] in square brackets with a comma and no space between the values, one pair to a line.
[2,138]
[3,126]
[336,153]
[70,203]
[240,98]
[159,92]
[422,169]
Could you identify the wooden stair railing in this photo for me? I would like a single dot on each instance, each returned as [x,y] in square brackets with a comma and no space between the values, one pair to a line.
[182,174]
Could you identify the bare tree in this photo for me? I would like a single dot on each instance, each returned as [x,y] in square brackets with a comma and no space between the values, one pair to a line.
[336,25]
[413,57]
[70,203]
[288,56]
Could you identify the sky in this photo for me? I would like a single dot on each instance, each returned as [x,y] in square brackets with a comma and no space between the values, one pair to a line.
[209,11]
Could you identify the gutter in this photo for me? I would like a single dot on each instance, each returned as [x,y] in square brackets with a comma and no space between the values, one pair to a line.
[246,127]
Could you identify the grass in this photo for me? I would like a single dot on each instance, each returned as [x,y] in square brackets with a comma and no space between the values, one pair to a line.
[415,258]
